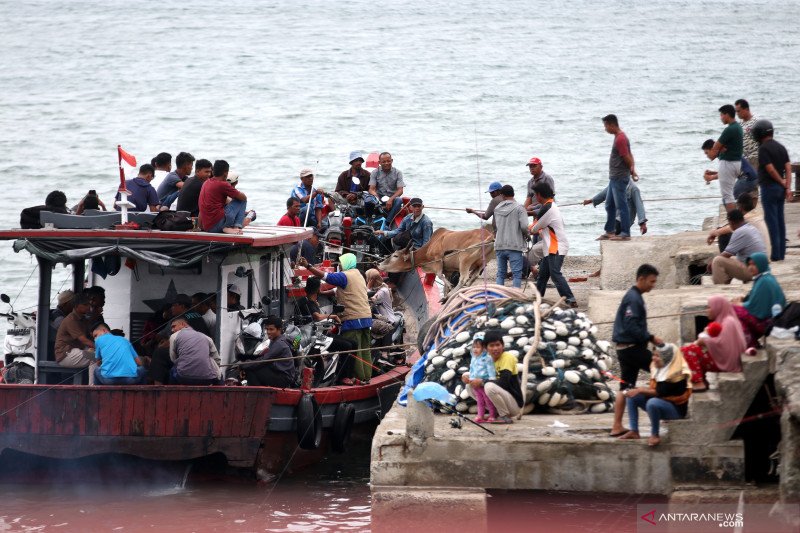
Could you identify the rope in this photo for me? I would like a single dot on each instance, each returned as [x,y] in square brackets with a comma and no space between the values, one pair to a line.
[296,357]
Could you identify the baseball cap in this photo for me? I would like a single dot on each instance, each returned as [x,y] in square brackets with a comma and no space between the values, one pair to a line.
[415,201]
[233,178]
[65,296]
[234,289]
[495,186]
[355,154]
[306,172]
[534,161]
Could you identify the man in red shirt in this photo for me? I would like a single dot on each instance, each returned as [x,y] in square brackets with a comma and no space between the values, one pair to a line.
[620,171]
[215,215]
[291,218]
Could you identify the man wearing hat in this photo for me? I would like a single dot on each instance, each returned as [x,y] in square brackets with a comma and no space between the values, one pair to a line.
[64,307]
[538,175]
[307,194]
[353,180]
[415,227]
[494,192]
[182,308]
[234,297]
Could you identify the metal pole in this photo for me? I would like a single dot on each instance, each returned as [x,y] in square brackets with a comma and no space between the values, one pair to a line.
[43,311]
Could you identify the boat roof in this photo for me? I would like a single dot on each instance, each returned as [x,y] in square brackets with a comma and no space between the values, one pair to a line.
[253,236]
[164,248]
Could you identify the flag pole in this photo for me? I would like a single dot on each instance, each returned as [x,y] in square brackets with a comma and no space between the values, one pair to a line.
[123,202]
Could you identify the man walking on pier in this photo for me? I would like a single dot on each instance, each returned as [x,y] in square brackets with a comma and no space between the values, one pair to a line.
[631,338]
[621,169]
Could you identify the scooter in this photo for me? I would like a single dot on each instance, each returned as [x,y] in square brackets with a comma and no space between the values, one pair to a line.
[19,347]
[250,343]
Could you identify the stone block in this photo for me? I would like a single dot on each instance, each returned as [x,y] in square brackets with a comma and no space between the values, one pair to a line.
[403,509]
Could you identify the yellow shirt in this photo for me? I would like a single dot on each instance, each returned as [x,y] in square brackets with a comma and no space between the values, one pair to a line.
[506,362]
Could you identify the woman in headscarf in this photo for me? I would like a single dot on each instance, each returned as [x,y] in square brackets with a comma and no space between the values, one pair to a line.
[667,398]
[351,292]
[383,322]
[719,348]
[756,310]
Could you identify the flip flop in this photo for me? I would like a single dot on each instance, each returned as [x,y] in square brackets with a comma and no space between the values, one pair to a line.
[618,434]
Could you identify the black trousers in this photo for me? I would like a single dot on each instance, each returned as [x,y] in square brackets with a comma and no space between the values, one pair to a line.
[266,376]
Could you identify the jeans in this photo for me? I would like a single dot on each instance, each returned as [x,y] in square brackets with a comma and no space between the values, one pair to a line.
[234,216]
[551,268]
[514,257]
[773,197]
[397,204]
[168,199]
[657,409]
[100,380]
[312,216]
[617,200]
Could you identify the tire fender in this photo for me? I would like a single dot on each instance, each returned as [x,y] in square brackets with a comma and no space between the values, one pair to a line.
[342,426]
[309,423]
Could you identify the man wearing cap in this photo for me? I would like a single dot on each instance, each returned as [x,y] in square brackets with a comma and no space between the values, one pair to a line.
[234,297]
[353,180]
[494,192]
[387,181]
[308,248]
[189,194]
[416,225]
[182,308]
[512,230]
[537,176]
[306,193]
[57,315]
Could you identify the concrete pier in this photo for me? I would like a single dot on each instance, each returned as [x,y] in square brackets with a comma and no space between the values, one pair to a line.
[422,453]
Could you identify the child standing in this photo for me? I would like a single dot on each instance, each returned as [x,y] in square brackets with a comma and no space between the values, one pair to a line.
[482,367]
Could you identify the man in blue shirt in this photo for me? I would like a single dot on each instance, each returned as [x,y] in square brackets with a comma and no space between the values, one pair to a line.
[416,226]
[142,194]
[307,194]
[169,189]
[117,361]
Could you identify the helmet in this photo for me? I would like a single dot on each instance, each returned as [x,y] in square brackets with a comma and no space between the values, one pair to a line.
[762,128]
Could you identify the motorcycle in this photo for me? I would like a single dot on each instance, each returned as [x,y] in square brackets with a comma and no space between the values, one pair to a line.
[352,227]
[19,347]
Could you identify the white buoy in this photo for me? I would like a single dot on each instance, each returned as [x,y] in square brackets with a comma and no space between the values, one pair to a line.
[572,376]
[549,335]
[544,398]
[448,352]
[516,331]
[598,408]
[447,376]
[438,360]
[451,364]
[545,385]
[561,345]
[548,371]
[508,323]
[459,352]
[558,363]
[574,341]
[492,322]
[463,336]
[522,320]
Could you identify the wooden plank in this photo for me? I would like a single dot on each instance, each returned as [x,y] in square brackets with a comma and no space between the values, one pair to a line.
[117,400]
[138,412]
[207,414]
[195,414]
[77,403]
[91,413]
[235,404]
[151,412]
[258,427]
[173,422]
[184,412]
[162,412]
[245,429]
[104,414]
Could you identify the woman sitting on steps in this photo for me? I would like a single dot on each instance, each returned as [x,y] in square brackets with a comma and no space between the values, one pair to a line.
[719,347]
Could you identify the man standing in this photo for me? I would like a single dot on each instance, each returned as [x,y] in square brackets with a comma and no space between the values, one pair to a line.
[631,338]
[729,148]
[353,180]
[73,349]
[745,241]
[387,181]
[621,168]
[189,194]
[554,243]
[512,230]
[635,203]
[351,292]
[216,215]
[309,196]
[118,363]
[775,180]
[494,192]
[538,175]
[142,194]
[746,181]
[748,121]
[291,218]
[173,182]
[195,358]
[418,226]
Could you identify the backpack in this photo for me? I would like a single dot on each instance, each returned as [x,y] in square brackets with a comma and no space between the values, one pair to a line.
[789,317]
[172,221]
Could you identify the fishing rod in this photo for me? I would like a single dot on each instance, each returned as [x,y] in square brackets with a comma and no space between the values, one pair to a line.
[572,204]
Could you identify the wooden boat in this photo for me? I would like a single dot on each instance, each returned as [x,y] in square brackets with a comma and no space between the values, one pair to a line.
[252,427]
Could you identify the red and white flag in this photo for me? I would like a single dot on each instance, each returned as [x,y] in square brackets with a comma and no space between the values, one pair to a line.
[125,156]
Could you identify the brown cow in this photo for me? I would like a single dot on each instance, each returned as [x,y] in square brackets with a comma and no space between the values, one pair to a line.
[446,252]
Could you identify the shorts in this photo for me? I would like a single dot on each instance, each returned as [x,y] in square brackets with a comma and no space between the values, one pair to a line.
[631,360]
[728,174]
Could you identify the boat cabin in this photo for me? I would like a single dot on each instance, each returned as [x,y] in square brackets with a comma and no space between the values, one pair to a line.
[142,271]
